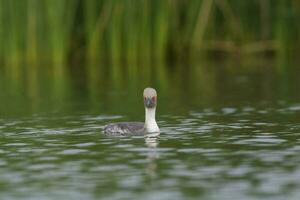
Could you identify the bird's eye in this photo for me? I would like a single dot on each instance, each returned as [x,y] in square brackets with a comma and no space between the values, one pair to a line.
[153,98]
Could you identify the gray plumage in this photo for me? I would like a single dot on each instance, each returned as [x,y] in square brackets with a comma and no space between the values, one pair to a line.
[125,128]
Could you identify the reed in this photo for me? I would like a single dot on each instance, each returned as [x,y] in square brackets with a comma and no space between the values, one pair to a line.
[131,32]
[1,32]
[60,16]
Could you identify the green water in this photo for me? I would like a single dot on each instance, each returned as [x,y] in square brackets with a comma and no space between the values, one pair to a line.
[228,131]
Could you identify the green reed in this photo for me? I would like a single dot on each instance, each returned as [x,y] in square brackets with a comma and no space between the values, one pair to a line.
[132,32]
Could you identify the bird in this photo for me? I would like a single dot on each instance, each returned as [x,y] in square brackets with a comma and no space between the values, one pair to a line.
[138,128]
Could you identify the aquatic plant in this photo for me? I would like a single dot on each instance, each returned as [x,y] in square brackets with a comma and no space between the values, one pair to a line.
[130,32]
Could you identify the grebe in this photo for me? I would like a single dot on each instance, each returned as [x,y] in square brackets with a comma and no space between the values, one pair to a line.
[138,128]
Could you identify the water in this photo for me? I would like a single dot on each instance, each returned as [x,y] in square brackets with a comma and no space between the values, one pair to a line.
[224,135]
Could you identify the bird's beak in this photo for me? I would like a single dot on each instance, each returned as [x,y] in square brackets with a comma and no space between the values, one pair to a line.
[149,102]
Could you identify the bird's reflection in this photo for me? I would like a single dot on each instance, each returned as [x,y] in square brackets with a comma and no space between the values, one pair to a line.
[151,141]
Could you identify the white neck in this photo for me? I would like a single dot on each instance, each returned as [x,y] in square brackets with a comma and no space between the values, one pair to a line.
[150,123]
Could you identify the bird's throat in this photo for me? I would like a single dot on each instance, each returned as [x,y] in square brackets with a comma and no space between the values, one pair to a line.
[150,122]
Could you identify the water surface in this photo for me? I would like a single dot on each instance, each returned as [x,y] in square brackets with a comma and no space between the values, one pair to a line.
[224,135]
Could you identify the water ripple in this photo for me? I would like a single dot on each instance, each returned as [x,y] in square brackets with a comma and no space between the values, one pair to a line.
[237,152]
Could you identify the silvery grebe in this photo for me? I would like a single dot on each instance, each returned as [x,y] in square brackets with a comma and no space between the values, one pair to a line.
[138,128]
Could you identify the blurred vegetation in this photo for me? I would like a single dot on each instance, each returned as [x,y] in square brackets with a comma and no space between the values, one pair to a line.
[129,32]
[55,52]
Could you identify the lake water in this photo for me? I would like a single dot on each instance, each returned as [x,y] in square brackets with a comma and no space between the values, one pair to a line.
[229,132]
